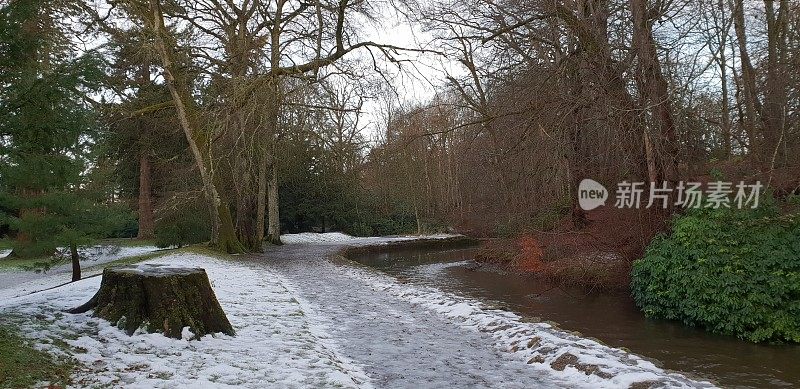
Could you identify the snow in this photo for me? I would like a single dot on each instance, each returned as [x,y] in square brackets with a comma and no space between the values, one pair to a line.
[16,282]
[280,341]
[311,237]
[99,255]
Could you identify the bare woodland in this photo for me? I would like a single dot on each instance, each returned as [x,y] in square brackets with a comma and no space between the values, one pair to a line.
[551,92]
[532,96]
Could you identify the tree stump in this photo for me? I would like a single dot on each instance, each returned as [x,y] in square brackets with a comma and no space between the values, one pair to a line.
[159,299]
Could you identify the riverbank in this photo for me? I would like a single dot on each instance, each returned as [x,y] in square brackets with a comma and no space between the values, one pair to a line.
[442,242]
[596,255]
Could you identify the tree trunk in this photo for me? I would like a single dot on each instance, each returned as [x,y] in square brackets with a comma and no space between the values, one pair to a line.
[227,240]
[748,84]
[653,89]
[723,70]
[247,146]
[274,229]
[726,113]
[158,299]
[416,217]
[775,97]
[590,29]
[273,204]
[146,219]
[223,233]
[76,262]
[246,212]
[652,167]
[261,204]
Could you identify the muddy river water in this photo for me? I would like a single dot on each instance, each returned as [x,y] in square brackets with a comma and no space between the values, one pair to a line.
[609,317]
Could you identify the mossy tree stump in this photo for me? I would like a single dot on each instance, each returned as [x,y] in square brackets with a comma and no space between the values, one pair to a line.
[159,299]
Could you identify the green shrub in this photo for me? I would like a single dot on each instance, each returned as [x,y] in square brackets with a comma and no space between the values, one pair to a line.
[120,222]
[733,272]
[360,229]
[395,224]
[187,226]
[793,199]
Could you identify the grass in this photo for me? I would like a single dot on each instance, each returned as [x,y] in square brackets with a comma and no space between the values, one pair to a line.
[22,366]
[28,263]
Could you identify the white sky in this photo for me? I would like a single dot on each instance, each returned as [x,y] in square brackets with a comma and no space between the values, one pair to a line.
[417,81]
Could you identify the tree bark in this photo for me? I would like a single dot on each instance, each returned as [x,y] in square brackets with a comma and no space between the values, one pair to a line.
[775,96]
[655,96]
[262,198]
[146,218]
[273,204]
[748,84]
[274,228]
[246,207]
[726,113]
[158,299]
[76,262]
[722,61]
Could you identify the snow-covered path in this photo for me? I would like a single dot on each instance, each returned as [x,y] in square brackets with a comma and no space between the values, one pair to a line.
[409,336]
[399,345]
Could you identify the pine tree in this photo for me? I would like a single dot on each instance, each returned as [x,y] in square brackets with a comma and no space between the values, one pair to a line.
[46,130]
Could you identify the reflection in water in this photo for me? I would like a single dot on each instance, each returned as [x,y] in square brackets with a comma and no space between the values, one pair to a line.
[611,318]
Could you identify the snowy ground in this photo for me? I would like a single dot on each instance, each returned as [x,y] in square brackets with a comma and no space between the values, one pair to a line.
[303,320]
[16,282]
[280,341]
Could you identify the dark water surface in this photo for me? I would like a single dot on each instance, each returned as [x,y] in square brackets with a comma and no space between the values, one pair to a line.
[612,318]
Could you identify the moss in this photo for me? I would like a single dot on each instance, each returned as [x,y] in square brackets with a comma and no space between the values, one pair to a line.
[228,242]
[159,300]
[23,366]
